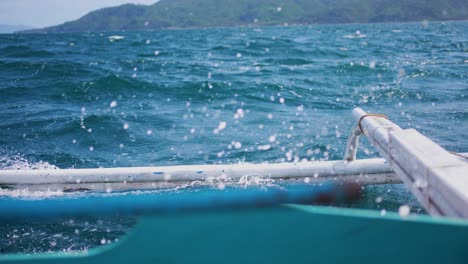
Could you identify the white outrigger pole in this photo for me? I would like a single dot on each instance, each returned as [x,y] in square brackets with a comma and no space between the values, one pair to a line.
[438,178]
[366,171]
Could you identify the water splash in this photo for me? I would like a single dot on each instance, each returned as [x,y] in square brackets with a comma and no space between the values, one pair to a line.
[19,162]
[30,195]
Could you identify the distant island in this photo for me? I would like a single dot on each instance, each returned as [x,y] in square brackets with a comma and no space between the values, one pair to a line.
[167,14]
[12,28]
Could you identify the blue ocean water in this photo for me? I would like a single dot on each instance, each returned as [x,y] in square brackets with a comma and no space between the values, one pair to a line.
[222,95]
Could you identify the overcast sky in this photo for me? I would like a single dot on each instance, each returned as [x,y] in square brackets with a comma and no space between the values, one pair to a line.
[42,13]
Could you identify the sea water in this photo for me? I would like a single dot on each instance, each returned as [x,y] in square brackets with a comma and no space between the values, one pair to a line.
[218,96]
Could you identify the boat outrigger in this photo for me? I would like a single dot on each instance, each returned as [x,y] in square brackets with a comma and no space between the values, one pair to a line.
[274,226]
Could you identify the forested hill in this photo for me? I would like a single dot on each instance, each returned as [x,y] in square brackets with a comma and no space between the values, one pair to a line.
[220,13]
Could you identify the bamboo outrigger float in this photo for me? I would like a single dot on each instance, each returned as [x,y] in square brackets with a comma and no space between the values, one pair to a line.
[252,229]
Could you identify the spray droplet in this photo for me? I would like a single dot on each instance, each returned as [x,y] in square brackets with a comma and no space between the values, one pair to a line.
[238,145]
[404,210]
[167,176]
[222,125]
[239,113]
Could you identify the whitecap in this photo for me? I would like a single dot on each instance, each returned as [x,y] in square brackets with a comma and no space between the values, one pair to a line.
[115,37]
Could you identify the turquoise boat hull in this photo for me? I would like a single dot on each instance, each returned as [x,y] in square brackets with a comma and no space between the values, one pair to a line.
[281,234]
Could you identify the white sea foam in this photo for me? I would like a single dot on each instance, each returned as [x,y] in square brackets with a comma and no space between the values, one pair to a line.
[357,34]
[26,193]
[115,37]
[18,162]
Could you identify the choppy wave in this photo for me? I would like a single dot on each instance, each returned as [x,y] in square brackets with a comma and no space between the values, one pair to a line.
[22,51]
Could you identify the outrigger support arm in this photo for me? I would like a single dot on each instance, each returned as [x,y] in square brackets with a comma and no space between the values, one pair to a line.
[436,177]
